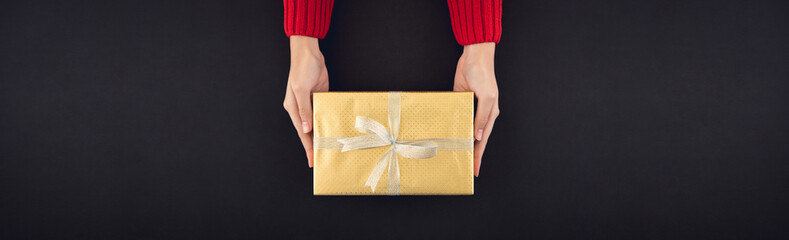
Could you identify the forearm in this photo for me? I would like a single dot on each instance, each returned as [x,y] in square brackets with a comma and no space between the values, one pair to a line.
[484,50]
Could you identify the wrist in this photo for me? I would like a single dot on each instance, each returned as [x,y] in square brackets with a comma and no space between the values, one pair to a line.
[485,49]
[304,46]
[477,60]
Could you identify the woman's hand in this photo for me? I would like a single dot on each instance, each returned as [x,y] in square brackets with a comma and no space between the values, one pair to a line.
[307,74]
[475,73]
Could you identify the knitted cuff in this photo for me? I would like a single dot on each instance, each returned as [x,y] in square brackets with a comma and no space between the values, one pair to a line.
[475,21]
[307,17]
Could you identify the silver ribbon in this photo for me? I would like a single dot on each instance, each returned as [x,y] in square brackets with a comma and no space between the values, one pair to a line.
[378,136]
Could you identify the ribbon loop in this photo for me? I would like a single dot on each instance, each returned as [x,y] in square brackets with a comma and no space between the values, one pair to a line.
[416,149]
[367,125]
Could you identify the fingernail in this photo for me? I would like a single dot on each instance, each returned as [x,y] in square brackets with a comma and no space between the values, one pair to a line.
[305,127]
[478,136]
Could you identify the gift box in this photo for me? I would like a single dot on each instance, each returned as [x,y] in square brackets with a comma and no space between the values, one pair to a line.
[393,143]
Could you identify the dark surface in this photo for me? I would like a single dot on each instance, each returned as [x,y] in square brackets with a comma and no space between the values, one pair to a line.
[620,119]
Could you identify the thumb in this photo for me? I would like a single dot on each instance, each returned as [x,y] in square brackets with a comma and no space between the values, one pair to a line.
[303,100]
[484,107]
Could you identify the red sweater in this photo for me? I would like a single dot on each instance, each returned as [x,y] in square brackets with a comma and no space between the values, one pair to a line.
[473,21]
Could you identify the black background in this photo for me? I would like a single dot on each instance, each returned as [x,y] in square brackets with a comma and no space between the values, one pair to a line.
[620,119]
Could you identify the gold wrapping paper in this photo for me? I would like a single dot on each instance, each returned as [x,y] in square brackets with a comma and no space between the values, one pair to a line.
[423,115]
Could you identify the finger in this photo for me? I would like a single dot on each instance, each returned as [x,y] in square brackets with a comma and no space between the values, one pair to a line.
[485,103]
[304,104]
[479,147]
[306,139]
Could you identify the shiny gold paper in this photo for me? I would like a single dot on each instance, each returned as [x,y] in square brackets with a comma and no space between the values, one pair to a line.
[423,115]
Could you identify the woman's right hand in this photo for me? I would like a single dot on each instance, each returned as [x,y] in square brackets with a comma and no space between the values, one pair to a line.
[308,74]
[475,73]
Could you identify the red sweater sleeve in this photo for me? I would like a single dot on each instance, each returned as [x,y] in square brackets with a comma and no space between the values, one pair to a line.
[475,21]
[307,17]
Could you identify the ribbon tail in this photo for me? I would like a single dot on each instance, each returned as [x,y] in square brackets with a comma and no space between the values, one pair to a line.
[393,180]
[379,168]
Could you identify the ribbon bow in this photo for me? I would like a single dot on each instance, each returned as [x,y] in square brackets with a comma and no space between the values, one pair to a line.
[377,136]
